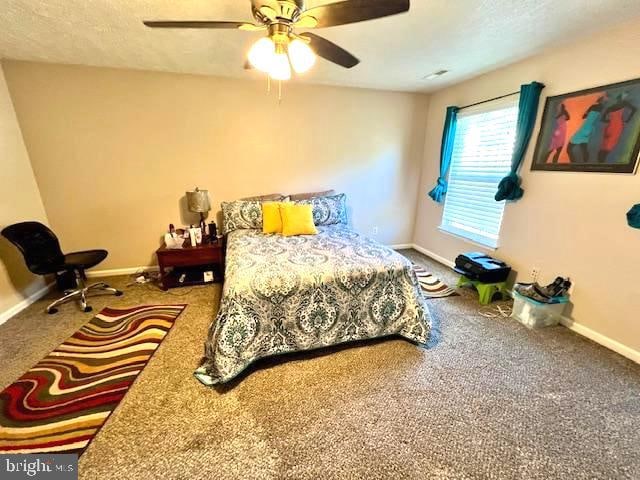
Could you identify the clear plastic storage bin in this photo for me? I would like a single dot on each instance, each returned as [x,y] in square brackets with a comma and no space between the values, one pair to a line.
[535,314]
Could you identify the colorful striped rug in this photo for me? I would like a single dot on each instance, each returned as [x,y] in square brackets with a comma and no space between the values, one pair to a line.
[432,286]
[61,403]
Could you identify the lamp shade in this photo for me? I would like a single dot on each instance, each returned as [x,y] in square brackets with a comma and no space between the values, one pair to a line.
[198,201]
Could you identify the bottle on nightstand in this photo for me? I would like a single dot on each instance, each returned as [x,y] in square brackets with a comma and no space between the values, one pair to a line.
[213,231]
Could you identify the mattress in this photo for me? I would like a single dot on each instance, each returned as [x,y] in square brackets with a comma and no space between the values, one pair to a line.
[290,294]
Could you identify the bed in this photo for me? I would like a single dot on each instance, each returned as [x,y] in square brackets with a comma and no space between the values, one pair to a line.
[291,294]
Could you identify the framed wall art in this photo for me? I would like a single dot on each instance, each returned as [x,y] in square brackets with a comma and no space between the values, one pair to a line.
[594,130]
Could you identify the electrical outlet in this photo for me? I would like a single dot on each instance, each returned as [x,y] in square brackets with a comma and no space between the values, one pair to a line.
[535,274]
[374,231]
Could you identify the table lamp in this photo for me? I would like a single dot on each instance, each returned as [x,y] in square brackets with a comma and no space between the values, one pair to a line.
[198,202]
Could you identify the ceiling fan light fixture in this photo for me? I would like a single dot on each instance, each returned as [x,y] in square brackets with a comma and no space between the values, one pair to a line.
[281,18]
[301,55]
[262,54]
[280,68]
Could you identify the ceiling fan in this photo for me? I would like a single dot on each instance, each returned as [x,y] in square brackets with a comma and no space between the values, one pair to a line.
[283,49]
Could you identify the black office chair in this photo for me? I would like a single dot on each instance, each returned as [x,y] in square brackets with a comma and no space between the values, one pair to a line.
[43,256]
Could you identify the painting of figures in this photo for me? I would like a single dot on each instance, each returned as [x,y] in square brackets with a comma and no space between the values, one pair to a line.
[595,130]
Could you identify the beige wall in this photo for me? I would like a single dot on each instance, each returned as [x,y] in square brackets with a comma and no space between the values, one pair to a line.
[19,200]
[567,223]
[115,150]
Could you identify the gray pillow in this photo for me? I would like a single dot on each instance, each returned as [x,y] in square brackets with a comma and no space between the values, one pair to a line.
[241,214]
[328,210]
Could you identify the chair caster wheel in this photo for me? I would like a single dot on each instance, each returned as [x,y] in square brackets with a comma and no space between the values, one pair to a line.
[87,309]
[118,293]
[51,311]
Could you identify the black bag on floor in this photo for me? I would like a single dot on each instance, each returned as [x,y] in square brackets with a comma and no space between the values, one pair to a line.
[481,267]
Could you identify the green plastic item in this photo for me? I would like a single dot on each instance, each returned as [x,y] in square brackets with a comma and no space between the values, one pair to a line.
[486,291]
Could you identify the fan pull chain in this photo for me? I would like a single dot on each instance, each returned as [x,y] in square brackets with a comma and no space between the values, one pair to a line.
[279,89]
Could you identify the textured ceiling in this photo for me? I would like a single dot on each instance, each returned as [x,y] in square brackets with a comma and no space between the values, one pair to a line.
[467,37]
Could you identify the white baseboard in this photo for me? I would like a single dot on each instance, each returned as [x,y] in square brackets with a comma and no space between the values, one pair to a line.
[607,342]
[120,271]
[402,246]
[7,314]
[435,256]
[600,339]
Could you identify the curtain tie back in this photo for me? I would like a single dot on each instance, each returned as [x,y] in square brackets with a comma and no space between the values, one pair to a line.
[440,190]
[509,188]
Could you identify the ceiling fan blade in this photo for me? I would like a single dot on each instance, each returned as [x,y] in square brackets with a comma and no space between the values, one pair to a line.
[195,24]
[330,51]
[247,65]
[352,11]
[250,27]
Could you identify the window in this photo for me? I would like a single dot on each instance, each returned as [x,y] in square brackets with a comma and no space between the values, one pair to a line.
[482,152]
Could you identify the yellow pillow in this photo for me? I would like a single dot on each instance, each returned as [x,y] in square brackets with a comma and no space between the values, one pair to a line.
[271,219]
[297,219]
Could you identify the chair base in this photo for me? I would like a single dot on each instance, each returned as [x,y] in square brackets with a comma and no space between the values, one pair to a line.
[81,293]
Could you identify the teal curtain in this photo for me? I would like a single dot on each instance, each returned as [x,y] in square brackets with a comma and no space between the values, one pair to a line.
[446,149]
[509,187]
[633,216]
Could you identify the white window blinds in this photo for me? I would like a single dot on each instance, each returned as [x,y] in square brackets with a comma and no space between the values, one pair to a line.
[482,152]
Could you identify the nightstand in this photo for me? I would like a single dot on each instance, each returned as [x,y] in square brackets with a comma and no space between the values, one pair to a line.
[190,263]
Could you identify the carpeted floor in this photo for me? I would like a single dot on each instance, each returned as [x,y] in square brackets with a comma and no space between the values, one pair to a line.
[492,401]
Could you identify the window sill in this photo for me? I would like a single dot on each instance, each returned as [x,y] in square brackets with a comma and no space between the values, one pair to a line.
[467,240]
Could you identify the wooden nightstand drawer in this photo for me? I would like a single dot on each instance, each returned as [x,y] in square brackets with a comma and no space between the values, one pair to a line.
[186,257]
[173,262]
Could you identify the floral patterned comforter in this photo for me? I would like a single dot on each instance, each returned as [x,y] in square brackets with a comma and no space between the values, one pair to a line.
[287,294]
